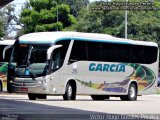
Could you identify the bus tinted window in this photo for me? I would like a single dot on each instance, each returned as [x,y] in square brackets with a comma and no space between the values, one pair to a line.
[60,53]
[64,48]
[78,51]
[108,52]
[122,53]
[94,51]
[150,54]
[137,54]
[113,52]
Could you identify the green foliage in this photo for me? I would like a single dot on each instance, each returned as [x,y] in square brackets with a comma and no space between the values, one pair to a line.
[75,5]
[142,25]
[1,28]
[89,21]
[49,27]
[38,5]
[42,16]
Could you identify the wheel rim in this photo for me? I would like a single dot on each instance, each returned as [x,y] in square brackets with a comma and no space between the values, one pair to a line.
[69,91]
[132,92]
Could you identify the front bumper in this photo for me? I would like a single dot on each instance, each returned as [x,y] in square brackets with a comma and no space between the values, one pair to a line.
[28,86]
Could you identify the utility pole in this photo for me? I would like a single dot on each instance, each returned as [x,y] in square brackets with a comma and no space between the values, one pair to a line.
[87,6]
[126,21]
[57,13]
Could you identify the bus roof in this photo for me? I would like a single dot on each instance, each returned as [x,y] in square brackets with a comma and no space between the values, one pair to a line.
[7,42]
[52,37]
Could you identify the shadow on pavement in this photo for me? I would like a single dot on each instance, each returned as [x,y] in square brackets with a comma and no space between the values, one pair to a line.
[21,110]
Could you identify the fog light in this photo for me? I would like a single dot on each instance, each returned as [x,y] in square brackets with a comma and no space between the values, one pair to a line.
[40,82]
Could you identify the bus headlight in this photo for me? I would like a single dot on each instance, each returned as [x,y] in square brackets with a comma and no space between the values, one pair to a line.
[11,81]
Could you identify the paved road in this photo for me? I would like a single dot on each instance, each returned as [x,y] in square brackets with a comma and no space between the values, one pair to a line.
[83,108]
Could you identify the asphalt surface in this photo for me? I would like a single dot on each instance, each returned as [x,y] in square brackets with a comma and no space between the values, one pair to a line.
[18,107]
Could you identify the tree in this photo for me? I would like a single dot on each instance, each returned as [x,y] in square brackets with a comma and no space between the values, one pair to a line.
[1,28]
[46,15]
[11,19]
[75,5]
[8,18]
[89,21]
[142,25]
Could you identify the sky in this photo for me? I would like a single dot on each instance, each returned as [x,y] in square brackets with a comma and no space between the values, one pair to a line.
[20,3]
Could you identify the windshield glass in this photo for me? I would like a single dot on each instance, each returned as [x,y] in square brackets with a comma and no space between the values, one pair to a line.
[20,55]
[29,60]
[29,53]
[38,54]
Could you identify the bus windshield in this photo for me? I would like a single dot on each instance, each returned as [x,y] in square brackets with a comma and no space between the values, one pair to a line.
[31,57]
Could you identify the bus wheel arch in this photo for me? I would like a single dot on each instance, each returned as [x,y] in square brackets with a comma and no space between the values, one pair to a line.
[70,90]
[132,92]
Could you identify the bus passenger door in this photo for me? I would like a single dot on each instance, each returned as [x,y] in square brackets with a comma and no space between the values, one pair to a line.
[57,67]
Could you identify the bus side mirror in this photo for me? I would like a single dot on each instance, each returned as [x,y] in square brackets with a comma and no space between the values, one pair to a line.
[5,49]
[51,49]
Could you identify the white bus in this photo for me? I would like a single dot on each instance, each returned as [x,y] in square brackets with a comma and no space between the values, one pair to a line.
[4,63]
[73,63]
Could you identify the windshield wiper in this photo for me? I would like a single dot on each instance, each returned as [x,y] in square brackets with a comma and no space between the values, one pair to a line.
[26,66]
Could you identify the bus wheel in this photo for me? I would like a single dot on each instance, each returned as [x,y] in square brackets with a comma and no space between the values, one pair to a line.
[1,87]
[32,96]
[41,96]
[70,92]
[9,90]
[99,97]
[132,93]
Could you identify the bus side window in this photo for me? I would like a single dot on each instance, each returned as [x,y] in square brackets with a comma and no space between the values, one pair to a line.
[56,60]
[94,51]
[58,55]
[108,52]
[137,54]
[78,52]
[150,54]
[123,53]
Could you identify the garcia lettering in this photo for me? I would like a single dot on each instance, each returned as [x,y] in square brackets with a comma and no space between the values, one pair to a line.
[107,67]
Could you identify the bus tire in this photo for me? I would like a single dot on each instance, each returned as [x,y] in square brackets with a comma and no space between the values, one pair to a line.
[132,93]
[32,96]
[99,97]
[1,88]
[9,90]
[70,92]
[41,96]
